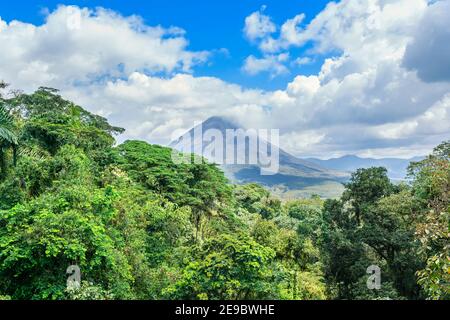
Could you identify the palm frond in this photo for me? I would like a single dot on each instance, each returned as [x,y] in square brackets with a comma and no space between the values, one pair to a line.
[5,117]
[6,126]
[8,136]
[25,151]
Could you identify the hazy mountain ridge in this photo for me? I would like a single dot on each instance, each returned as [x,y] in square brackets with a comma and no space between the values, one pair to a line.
[397,168]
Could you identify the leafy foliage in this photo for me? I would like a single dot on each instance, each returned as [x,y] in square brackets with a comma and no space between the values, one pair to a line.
[140,226]
[8,138]
[431,189]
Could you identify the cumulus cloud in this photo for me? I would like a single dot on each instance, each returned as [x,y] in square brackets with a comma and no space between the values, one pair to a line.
[363,99]
[291,34]
[152,107]
[349,25]
[77,45]
[434,121]
[364,30]
[271,63]
[429,52]
[369,97]
[258,25]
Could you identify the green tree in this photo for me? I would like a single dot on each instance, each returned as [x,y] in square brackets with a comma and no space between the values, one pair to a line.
[431,189]
[343,251]
[370,225]
[389,231]
[227,267]
[365,187]
[202,187]
[255,199]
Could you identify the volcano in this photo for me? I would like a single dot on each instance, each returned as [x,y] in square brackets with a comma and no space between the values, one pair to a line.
[294,177]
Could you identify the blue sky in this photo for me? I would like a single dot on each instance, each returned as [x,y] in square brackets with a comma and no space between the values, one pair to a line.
[209,25]
[370,78]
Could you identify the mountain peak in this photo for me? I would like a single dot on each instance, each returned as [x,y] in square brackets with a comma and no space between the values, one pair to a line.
[219,123]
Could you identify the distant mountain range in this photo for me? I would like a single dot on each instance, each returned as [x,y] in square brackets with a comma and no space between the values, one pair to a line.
[397,168]
[295,177]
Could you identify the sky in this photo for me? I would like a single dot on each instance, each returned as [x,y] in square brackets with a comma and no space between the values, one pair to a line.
[365,77]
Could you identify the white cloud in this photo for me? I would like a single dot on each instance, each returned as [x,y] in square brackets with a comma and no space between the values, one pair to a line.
[271,63]
[434,121]
[304,86]
[300,61]
[363,98]
[350,25]
[77,45]
[362,101]
[304,141]
[290,34]
[258,25]
[151,107]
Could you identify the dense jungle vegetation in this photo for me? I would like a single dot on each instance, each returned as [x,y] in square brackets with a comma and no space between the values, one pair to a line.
[141,227]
